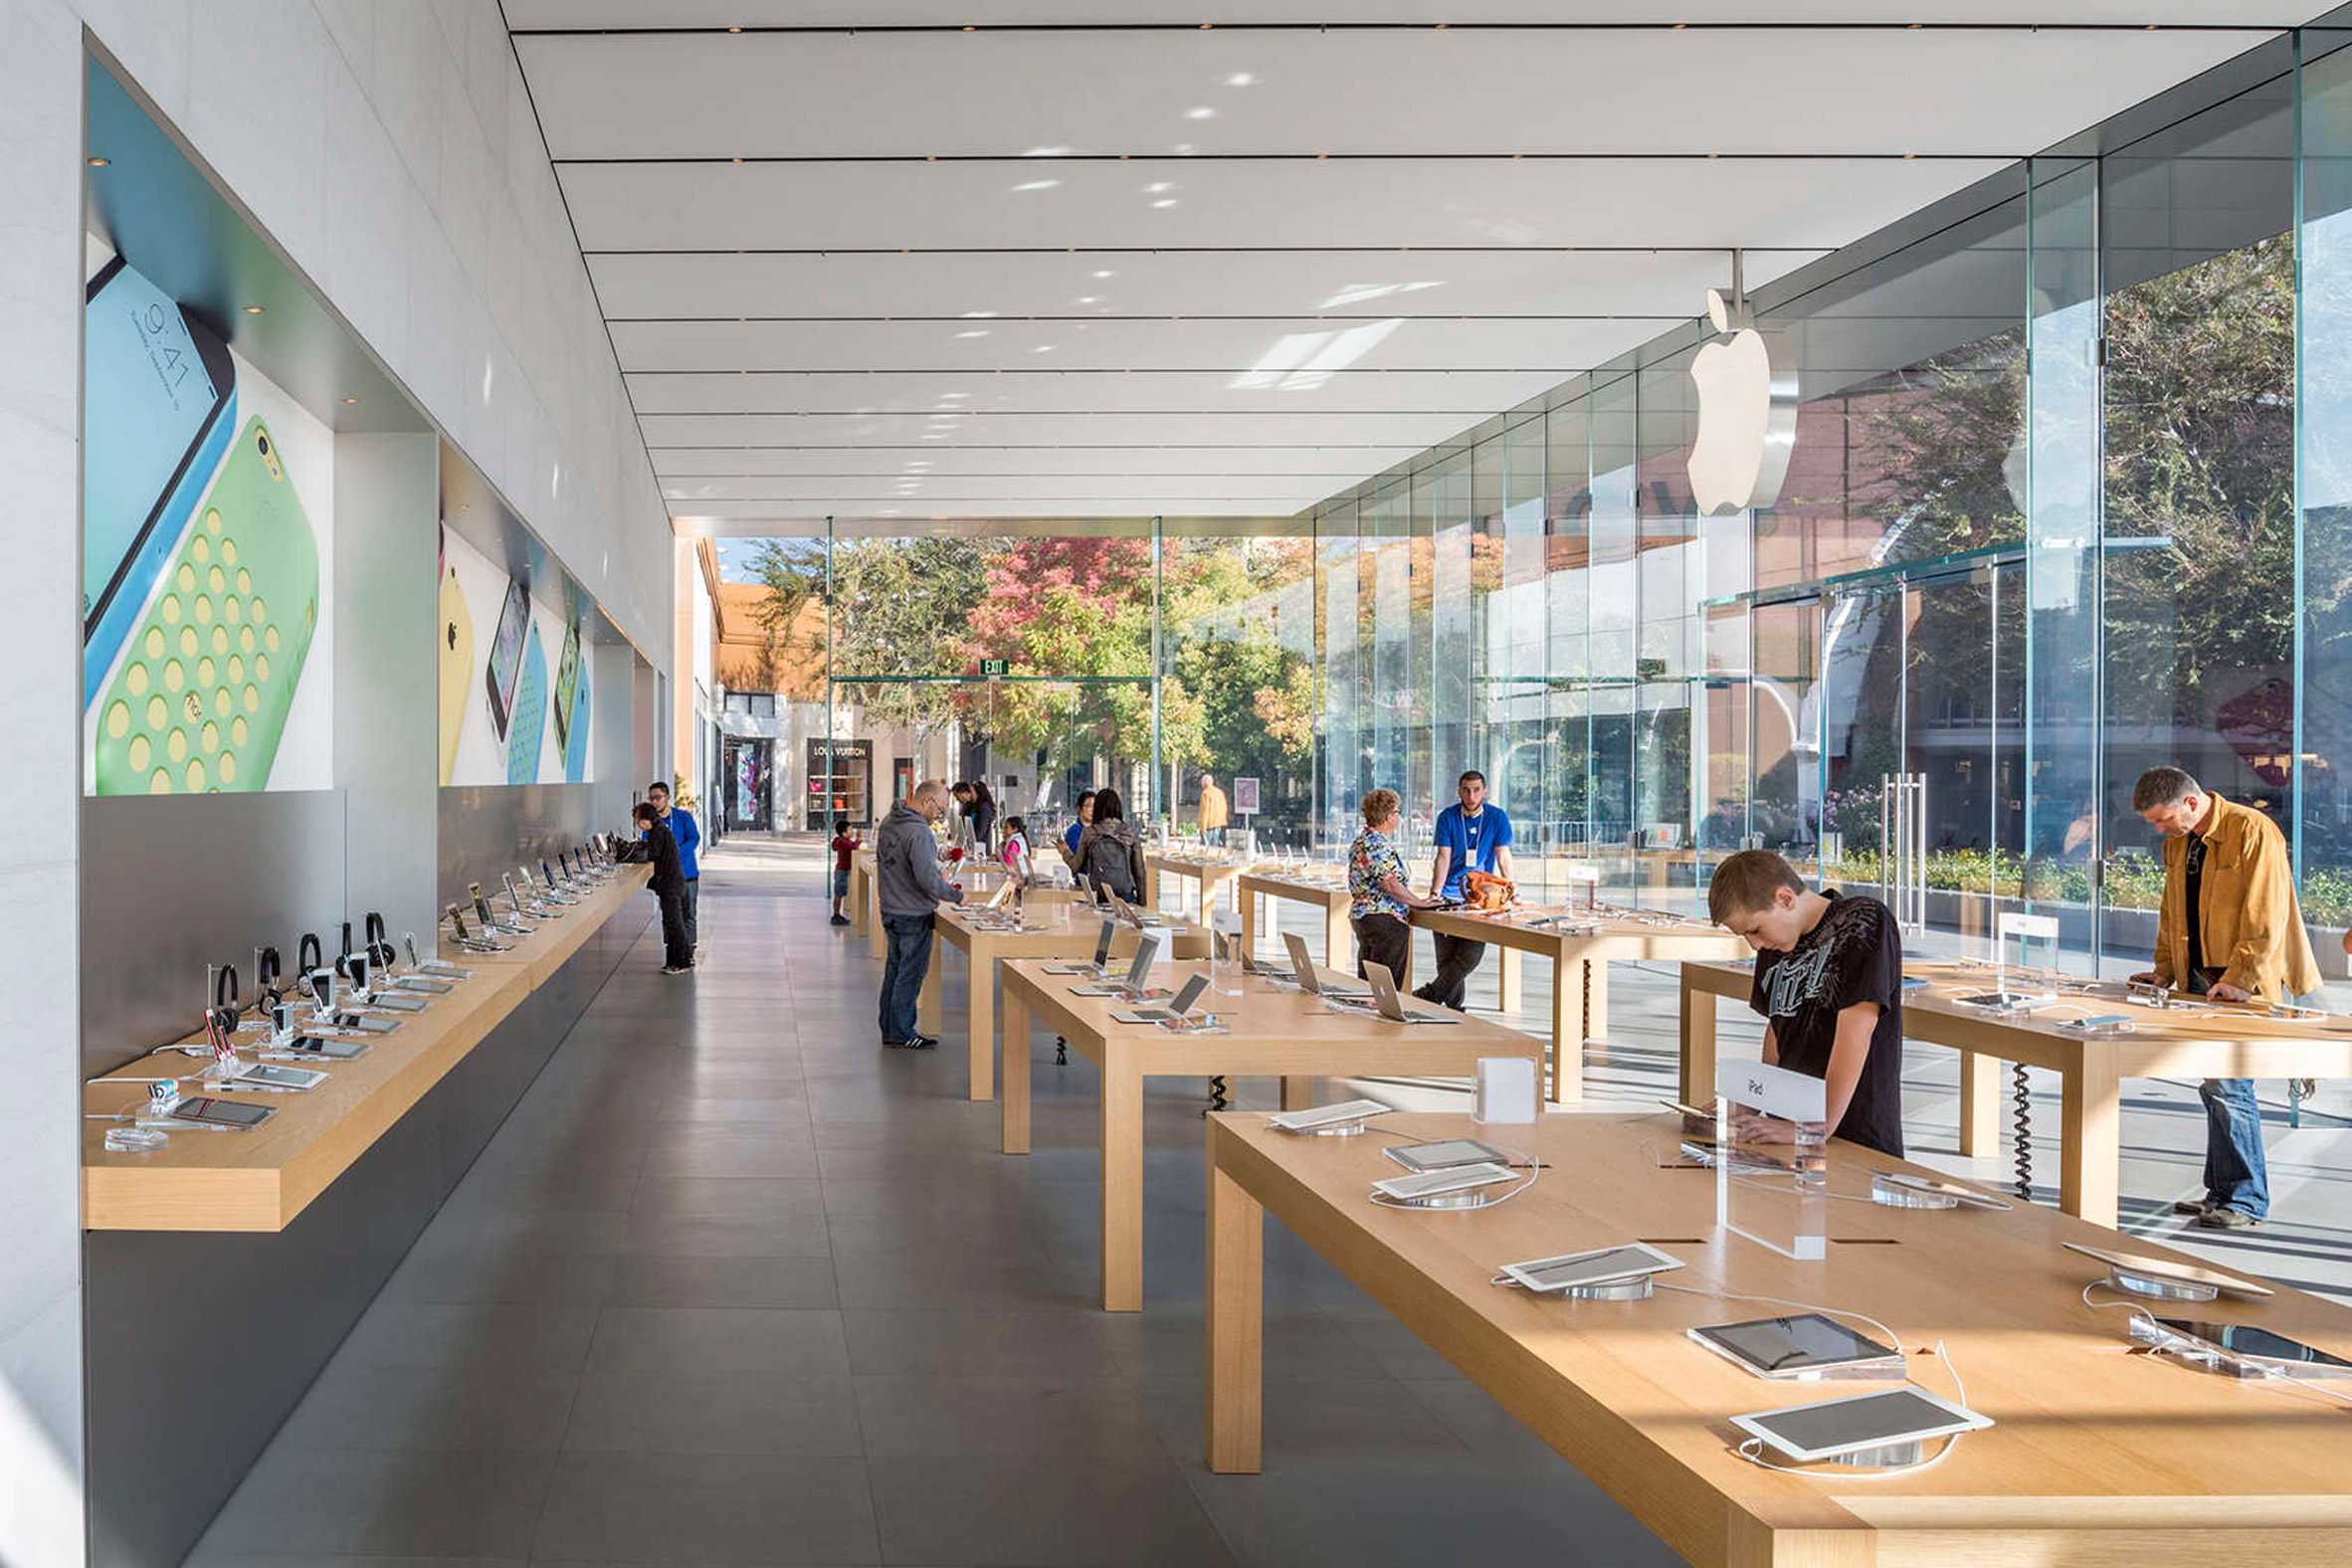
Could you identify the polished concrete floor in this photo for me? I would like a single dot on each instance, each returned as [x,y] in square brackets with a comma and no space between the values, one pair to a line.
[734,1286]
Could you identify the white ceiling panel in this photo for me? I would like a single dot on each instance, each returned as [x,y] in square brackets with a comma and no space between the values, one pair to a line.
[1281,204]
[1995,93]
[744,516]
[1191,284]
[1299,351]
[943,396]
[1370,432]
[1150,490]
[1345,464]
[1023,259]
[527,14]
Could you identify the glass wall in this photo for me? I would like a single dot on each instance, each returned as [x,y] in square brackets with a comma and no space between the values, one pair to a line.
[2072,496]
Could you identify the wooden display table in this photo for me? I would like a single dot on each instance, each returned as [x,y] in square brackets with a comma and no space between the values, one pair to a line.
[1209,873]
[2097,1456]
[2213,1041]
[1580,966]
[1339,938]
[260,1180]
[1062,928]
[1275,1032]
[861,898]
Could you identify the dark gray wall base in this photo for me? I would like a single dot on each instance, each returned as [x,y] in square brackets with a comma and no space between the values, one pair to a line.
[200,1345]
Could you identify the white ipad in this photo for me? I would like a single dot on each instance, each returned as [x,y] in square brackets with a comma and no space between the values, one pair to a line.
[1445,1153]
[1460,1178]
[1969,1197]
[1317,1117]
[1605,1265]
[266,1075]
[1805,1344]
[1861,1421]
[2166,1269]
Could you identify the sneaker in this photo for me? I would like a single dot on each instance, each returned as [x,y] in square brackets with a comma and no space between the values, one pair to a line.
[840,919]
[2224,1218]
[678,969]
[922,1043]
[2192,1204]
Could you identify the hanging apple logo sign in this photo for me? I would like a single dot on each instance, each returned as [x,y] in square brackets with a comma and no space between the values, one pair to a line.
[1748,413]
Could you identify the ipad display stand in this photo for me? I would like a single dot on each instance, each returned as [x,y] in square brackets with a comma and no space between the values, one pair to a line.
[1892,1455]
[1641,1287]
[1787,1212]
[1894,1195]
[2157,1289]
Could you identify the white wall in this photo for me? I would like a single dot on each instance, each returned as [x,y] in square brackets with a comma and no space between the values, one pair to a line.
[390,150]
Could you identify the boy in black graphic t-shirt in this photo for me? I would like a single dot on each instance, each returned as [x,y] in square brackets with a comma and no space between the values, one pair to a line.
[1829,982]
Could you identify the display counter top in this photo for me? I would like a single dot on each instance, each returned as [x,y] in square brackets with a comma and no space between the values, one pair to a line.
[262,1180]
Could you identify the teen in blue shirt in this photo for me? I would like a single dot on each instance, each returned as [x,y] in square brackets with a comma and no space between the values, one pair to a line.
[1470,837]
[680,823]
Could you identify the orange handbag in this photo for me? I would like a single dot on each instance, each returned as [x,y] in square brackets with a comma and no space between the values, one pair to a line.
[1485,891]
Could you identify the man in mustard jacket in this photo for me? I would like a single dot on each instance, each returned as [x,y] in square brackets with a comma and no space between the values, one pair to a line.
[2228,929]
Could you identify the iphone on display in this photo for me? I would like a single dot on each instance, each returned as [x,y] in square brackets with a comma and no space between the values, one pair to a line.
[200,700]
[527,720]
[161,393]
[568,682]
[506,658]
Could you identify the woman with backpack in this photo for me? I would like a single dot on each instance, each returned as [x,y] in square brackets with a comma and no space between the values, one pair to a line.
[1109,854]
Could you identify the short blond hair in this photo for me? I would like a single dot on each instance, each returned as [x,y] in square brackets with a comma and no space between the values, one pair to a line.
[1378,806]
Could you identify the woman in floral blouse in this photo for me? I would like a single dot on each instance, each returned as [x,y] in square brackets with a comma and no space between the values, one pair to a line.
[1380,900]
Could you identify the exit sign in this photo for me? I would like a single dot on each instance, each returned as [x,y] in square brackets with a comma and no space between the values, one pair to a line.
[996,667]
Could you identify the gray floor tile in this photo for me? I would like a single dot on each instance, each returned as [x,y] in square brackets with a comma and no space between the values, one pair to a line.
[1053,1420]
[550,1340]
[950,1342]
[712,1341]
[672,1280]
[1011,1510]
[735,1412]
[485,1404]
[708,1511]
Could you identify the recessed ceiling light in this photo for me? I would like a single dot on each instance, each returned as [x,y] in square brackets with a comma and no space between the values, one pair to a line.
[98,163]
[1106,272]
[1241,79]
[253,310]
[350,400]
[1200,111]
[1158,186]
[1165,201]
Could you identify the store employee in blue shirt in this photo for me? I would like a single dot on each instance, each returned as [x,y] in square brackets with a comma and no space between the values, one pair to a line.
[680,823]
[1472,837]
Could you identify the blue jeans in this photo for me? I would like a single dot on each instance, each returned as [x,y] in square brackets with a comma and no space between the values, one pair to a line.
[908,939]
[2235,1174]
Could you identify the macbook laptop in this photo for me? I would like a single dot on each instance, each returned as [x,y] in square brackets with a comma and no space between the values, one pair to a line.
[1391,1006]
[1178,1009]
[1315,982]
[1133,985]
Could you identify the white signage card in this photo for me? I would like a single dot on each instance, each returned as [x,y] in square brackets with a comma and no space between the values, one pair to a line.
[1776,1091]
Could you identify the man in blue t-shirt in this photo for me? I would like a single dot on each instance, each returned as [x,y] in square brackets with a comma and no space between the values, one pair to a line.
[1472,837]
[680,823]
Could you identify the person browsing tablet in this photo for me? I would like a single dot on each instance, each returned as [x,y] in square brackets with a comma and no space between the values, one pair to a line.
[1828,983]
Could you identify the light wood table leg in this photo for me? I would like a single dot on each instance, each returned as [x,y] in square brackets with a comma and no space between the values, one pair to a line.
[1596,997]
[1698,1044]
[1339,944]
[2088,1173]
[1250,903]
[926,1005]
[860,896]
[980,1021]
[1980,1105]
[1567,1044]
[1123,1180]
[1234,1405]
[1298,1093]
[1013,1112]
[875,935]
[1151,886]
[1512,962]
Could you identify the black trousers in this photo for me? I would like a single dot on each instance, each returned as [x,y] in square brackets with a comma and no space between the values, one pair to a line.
[1382,939]
[676,954]
[1457,956]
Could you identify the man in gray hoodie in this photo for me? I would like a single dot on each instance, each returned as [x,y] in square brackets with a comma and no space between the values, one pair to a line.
[908,887]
